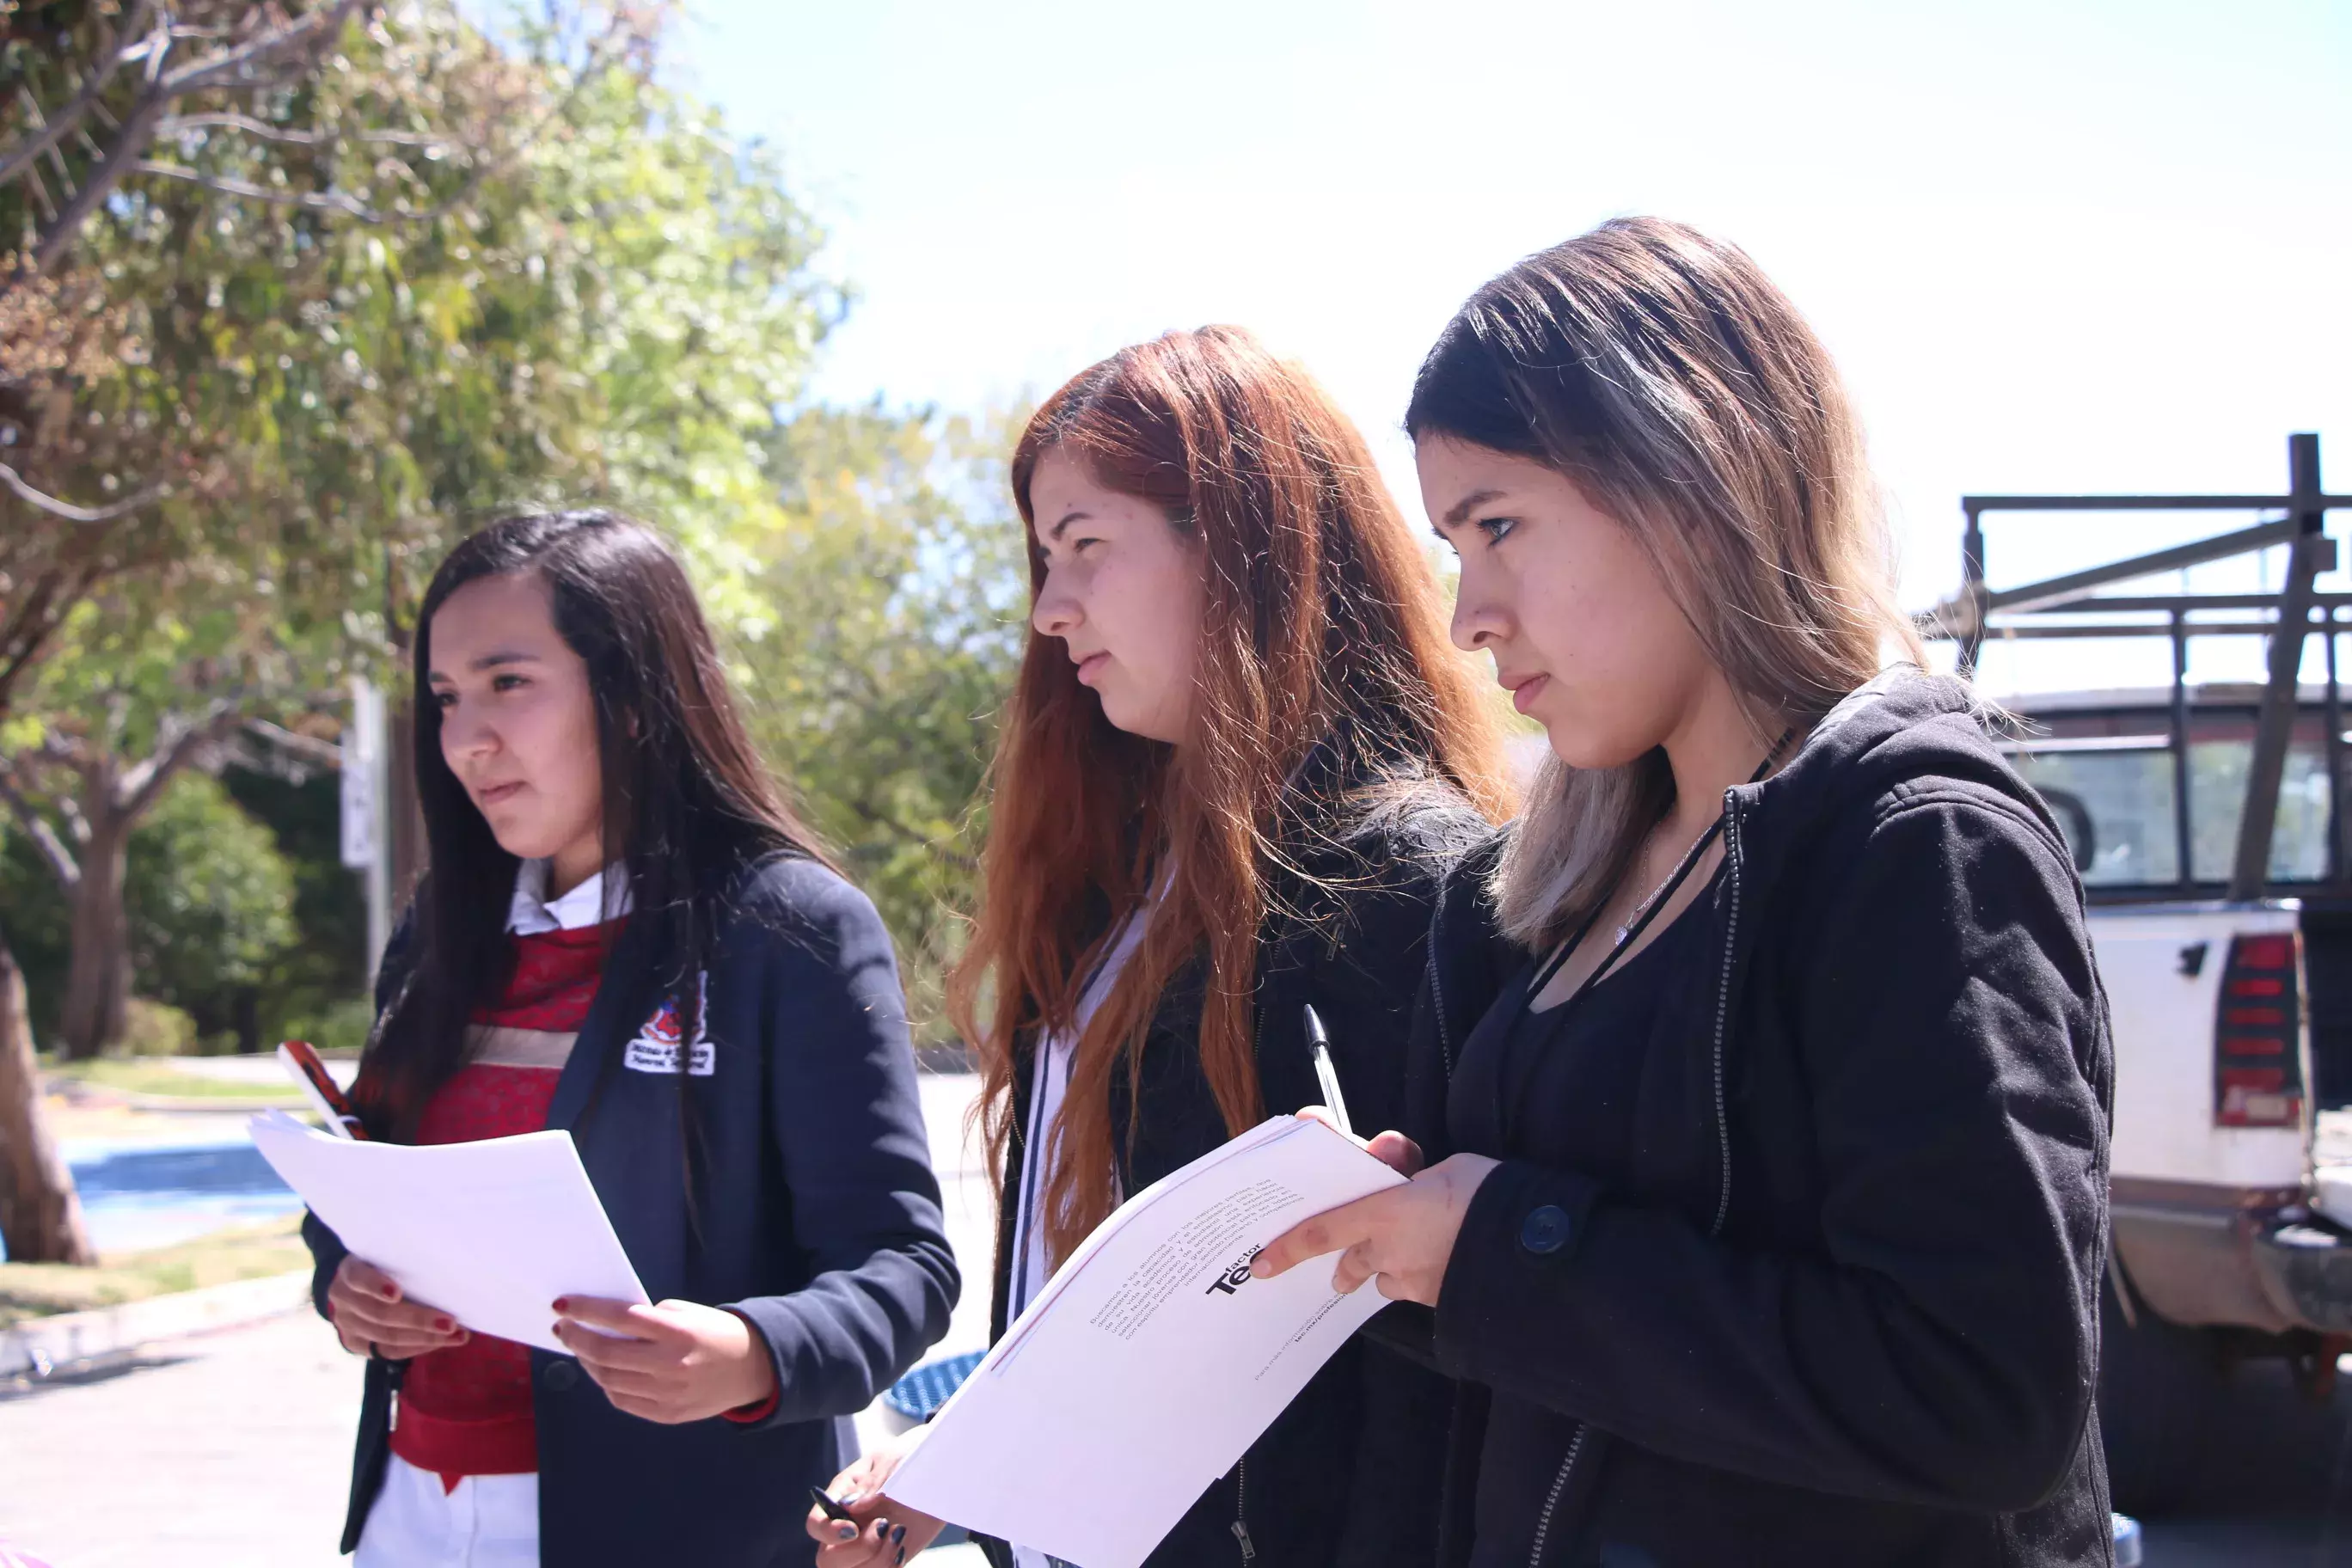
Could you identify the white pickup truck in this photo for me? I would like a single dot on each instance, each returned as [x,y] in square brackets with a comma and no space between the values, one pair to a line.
[2213,825]
[2232,1023]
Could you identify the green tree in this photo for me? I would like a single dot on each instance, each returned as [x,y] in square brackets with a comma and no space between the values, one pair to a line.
[211,903]
[149,679]
[613,313]
[892,607]
[123,127]
[309,285]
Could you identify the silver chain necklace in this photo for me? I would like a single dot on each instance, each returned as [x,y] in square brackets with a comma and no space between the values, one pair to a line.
[1633,921]
[1681,868]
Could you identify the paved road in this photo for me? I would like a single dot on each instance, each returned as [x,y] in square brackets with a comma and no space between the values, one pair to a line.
[233,1451]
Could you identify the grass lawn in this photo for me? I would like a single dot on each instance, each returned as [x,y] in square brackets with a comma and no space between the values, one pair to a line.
[163,1076]
[244,1252]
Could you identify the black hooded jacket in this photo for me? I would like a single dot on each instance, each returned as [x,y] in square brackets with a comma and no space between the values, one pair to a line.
[1348,1475]
[1844,1307]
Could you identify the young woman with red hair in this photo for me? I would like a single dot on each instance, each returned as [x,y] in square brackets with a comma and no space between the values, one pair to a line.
[1238,759]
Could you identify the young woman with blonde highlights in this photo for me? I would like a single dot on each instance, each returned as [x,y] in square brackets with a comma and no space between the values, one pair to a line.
[1237,761]
[1766,1202]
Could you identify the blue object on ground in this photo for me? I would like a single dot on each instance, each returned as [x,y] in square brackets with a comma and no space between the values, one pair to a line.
[136,1195]
[2126,1541]
[919,1396]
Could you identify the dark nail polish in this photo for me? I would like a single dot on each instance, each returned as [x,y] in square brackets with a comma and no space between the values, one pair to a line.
[845,1531]
[898,1536]
[902,1558]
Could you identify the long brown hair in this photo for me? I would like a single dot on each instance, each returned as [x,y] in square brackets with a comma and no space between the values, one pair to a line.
[1320,617]
[1662,372]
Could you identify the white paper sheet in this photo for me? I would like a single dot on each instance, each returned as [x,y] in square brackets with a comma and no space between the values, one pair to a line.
[1151,1361]
[490,1233]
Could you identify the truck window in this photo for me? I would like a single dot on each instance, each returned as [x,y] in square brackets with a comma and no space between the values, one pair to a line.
[2113,798]
[2217,794]
[2108,777]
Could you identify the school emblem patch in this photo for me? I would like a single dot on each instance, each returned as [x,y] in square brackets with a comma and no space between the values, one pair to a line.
[659,1039]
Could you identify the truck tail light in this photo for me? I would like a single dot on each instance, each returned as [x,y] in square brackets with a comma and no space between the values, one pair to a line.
[2258,1033]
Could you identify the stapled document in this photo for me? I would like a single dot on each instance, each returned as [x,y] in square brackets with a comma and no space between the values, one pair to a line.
[1153,1359]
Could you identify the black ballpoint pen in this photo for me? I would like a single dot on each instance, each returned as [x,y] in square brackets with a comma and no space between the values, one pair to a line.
[1326,1073]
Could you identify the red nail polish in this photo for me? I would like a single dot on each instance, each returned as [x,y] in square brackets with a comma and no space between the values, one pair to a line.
[445,1324]
[390,1293]
[563,1304]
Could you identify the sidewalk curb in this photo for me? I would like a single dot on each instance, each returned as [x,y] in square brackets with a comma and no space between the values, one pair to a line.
[83,1097]
[36,1345]
[133,1100]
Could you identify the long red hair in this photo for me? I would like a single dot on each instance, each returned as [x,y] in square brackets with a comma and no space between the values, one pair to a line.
[1320,612]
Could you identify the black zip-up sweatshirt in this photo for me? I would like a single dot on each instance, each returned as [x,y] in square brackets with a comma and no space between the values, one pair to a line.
[1845,1308]
[1348,1475]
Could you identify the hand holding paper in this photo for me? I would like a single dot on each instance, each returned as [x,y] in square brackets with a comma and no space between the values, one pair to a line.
[491,1231]
[1401,1239]
[1153,1358]
[672,1361]
[373,1318]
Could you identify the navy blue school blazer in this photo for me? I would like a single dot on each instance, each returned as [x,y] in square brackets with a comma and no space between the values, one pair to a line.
[816,1216]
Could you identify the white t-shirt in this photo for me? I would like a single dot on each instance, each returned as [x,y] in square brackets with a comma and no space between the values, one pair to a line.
[1054,1053]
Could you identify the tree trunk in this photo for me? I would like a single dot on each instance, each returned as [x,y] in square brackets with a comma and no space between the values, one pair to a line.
[98,978]
[40,1216]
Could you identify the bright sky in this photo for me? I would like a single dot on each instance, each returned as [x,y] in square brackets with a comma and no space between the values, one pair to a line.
[2057,246]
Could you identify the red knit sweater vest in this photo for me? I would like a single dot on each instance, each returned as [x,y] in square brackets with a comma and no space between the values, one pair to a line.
[466,1411]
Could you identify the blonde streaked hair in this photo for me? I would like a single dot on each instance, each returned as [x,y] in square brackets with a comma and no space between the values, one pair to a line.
[1665,375]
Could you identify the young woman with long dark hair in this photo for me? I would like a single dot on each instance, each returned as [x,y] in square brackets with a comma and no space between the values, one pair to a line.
[1769,1206]
[624,931]
[1236,761]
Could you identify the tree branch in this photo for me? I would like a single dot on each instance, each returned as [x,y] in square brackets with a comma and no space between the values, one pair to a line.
[71,114]
[138,129]
[305,35]
[326,753]
[60,859]
[72,513]
[318,201]
[142,785]
[268,132]
[302,38]
[884,818]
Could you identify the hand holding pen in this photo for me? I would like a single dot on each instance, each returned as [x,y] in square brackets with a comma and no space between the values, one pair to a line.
[1394,1150]
[855,1526]
[1326,1074]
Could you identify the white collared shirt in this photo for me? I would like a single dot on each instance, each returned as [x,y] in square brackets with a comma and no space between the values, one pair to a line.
[532,911]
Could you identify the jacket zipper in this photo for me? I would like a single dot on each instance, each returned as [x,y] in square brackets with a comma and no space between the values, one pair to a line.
[1731,859]
[1551,1498]
[1437,993]
[1241,1510]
